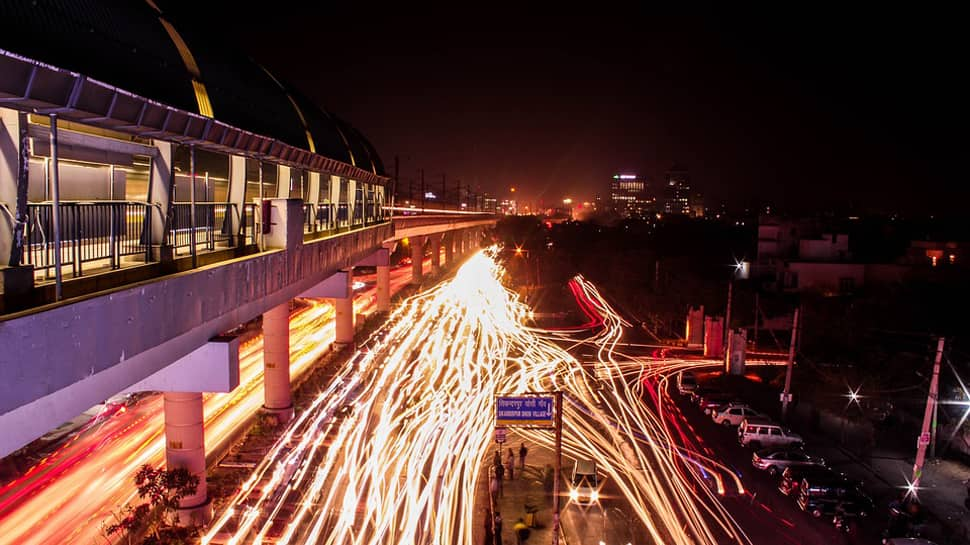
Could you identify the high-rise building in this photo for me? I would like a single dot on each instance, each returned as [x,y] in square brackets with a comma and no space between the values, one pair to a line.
[677,191]
[628,195]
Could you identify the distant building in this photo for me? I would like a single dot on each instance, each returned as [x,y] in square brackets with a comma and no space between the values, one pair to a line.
[629,197]
[489,203]
[508,207]
[697,205]
[677,191]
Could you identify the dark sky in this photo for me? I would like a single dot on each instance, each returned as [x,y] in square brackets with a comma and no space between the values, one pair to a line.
[818,109]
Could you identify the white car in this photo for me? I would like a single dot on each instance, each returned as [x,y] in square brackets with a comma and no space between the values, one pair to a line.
[733,415]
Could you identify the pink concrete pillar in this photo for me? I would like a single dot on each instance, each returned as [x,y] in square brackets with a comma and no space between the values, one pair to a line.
[435,255]
[278,398]
[185,447]
[344,315]
[417,260]
[383,288]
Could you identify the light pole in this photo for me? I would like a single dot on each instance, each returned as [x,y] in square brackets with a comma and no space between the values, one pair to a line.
[925,435]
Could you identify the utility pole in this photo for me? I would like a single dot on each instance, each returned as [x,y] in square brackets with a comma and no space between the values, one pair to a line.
[727,322]
[925,434]
[397,178]
[786,394]
[756,314]
[555,486]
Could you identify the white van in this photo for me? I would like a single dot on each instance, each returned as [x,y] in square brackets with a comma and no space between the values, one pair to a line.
[584,483]
[761,432]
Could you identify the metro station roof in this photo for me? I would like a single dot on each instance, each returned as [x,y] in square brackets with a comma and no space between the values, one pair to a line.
[136,47]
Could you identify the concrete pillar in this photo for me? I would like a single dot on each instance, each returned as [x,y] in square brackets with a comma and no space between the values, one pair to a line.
[417,260]
[737,344]
[695,327]
[460,239]
[185,447]
[383,288]
[160,193]
[344,315]
[278,399]
[283,182]
[713,335]
[435,241]
[10,137]
[237,193]
[449,249]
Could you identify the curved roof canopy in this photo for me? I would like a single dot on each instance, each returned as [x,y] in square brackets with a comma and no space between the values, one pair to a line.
[136,46]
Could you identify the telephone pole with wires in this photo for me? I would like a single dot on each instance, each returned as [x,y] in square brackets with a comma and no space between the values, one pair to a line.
[927,436]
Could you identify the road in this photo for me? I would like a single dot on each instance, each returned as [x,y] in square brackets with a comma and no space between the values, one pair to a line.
[400,464]
[65,497]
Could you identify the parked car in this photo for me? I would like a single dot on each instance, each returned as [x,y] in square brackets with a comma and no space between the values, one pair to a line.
[686,382]
[775,460]
[819,495]
[733,415]
[907,541]
[761,432]
[695,394]
[791,477]
[711,402]
[584,483]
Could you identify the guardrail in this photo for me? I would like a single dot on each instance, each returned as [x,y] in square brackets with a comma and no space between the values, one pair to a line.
[90,231]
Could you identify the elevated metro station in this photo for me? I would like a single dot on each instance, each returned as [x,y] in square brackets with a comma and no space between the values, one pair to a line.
[157,191]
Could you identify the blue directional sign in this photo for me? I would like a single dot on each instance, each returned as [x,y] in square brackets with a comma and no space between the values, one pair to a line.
[526,411]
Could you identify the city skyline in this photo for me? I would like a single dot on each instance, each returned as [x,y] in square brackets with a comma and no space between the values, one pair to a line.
[805,112]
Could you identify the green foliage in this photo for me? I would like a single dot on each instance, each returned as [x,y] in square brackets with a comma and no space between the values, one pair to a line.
[157,519]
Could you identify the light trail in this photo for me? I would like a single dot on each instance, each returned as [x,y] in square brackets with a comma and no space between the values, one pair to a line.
[402,467]
[66,496]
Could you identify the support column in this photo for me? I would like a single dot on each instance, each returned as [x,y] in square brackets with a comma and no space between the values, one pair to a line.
[278,399]
[160,186]
[237,198]
[383,288]
[185,447]
[344,315]
[449,249]
[460,240]
[435,241]
[417,260]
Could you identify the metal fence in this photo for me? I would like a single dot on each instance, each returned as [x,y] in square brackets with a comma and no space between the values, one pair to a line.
[213,225]
[90,231]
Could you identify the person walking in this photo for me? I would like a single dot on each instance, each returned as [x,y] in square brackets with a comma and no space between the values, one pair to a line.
[521,531]
[498,528]
[510,462]
[522,452]
[499,475]
[489,534]
[494,486]
[497,458]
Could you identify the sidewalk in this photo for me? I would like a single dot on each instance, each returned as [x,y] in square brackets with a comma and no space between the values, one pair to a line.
[842,442]
[525,488]
[886,472]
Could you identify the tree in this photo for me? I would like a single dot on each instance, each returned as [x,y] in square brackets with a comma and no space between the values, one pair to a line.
[158,518]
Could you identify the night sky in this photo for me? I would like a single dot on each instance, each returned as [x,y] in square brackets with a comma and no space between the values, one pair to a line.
[810,111]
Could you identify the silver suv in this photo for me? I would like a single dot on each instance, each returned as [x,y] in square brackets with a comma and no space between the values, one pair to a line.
[761,432]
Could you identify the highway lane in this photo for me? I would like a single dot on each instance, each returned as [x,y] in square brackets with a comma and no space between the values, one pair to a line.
[400,465]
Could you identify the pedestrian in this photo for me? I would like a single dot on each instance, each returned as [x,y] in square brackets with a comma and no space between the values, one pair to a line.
[489,534]
[510,462]
[521,531]
[499,475]
[497,459]
[498,528]
[494,487]
[522,452]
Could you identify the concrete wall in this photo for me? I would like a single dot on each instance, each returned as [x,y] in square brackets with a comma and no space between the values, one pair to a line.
[824,276]
[62,359]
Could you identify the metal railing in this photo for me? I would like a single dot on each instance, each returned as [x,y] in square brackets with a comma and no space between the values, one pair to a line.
[319,219]
[90,231]
[213,225]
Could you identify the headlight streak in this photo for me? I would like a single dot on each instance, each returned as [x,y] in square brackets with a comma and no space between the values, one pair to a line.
[403,465]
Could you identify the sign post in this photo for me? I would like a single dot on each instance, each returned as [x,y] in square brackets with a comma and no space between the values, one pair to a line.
[534,410]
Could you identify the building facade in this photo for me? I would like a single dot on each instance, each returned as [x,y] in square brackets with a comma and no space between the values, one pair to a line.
[677,195]
[629,196]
